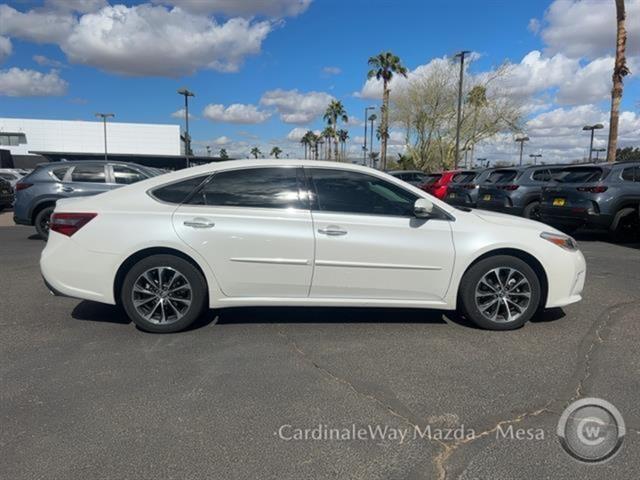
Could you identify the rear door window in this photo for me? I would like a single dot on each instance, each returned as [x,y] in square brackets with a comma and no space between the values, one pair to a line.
[59,173]
[126,175]
[88,174]
[631,174]
[542,175]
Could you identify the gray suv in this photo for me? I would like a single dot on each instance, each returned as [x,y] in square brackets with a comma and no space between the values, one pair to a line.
[516,190]
[605,196]
[36,194]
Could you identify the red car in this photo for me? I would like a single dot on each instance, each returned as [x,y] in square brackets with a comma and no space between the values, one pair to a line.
[437,184]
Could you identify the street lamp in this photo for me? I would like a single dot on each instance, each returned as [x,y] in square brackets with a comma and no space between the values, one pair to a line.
[104,117]
[372,118]
[187,139]
[598,150]
[522,140]
[461,54]
[535,157]
[480,160]
[364,148]
[466,151]
[592,128]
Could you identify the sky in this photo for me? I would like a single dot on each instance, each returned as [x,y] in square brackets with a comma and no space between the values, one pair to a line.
[263,71]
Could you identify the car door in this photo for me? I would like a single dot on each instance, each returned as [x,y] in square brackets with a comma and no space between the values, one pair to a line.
[370,245]
[253,226]
[83,180]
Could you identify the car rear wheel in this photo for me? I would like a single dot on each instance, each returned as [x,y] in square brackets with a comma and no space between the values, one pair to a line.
[532,211]
[500,293]
[163,294]
[42,222]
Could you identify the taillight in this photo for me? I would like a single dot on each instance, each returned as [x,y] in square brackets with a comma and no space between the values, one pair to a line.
[23,186]
[598,189]
[69,223]
[508,187]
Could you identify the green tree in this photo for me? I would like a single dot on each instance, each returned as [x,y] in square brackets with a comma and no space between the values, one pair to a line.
[334,113]
[255,151]
[276,152]
[384,66]
[223,154]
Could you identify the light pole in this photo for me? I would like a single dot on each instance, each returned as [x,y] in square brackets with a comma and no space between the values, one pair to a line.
[480,160]
[187,139]
[461,54]
[371,119]
[598,150]
[364,148]
[592,128]
[208,150]
[104,117]
[535,157]
[522,140]
[466,152]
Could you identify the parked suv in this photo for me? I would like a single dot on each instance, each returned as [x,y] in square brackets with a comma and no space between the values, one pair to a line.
[437,184]
[605,196]
[6,194]
[36,194]
[463,191]
[516,190]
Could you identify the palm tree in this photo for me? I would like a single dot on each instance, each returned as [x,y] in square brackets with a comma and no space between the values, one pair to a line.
[343,136]
[328,133]
[477,98]
[314,140]
[335,112]
[223,154]
[255,151]
[620,70]
[384,66]
[275,152]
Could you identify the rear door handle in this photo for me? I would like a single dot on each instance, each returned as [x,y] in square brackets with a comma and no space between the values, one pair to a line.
[199,223]
[332,231]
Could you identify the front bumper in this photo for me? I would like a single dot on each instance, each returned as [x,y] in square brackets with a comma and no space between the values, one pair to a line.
[566,280]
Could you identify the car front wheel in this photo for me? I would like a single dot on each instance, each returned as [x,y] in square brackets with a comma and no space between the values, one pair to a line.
[500,293]
[163,294]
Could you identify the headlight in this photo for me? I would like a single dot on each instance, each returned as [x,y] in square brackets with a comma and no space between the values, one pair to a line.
[563,241]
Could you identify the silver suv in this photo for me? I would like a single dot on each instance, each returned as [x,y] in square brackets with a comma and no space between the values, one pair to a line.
[36,194]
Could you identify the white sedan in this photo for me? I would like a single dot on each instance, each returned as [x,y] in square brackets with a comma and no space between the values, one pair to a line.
[301,233]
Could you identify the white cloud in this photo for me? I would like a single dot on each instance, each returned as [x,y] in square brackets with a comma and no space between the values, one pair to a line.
[81,6]
[296,134]
[5,48]
[47,62]
[534,26]
[295,107]
[18,82]
[223,140]
[332,70]
[180,113]
[588,84]
[142,39]
[243,8]
[235,113]
[588,28]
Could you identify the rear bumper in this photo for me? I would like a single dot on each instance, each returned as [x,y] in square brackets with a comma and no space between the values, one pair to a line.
[574,217]
[503,206]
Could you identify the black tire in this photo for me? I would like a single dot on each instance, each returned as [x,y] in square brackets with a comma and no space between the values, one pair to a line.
[196,285]
[627,228]
[532,211]
[41,221]
[471,282]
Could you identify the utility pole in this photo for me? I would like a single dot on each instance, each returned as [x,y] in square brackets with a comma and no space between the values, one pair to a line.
[364,148]
[104,117]
[522,140]
[187,138]
[373,163]
[461,54]
[592,128]
[598,150]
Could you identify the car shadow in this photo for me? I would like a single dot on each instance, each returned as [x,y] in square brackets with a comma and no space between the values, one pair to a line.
[604,236]
[550,315]
[99,312]
[35,236]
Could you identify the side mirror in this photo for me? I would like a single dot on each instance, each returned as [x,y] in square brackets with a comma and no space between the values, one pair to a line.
[423,208]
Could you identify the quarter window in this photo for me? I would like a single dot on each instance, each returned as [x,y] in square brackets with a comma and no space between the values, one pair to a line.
[88,173]
[179,191]
[59,173]
[125,175]
[354,192]
[253,187]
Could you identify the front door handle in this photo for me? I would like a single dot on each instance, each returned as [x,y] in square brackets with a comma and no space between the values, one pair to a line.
[199,223]
[67,189]
[332,231]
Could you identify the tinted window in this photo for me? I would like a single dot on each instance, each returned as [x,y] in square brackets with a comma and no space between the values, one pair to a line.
[631,174]
[88,173]
[59,173]
[464,177]
[432,178]
[580,175]
[126,175]
[542,175]
[254,187]
[502,176]
[354,192]
[179,191]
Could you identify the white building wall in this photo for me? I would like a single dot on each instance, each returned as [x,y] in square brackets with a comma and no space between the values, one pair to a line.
[88,137]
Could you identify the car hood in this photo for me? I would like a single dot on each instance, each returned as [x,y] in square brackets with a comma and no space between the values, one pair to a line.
[512,221]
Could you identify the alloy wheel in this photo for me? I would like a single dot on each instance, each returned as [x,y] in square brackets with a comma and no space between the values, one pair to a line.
[503,294]
[162,295]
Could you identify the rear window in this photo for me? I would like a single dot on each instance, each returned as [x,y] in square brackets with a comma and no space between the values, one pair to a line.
[580,175]
[432,178]
[464,177]
[502,176]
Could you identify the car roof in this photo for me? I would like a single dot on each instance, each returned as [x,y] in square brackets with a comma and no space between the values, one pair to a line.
[64,163]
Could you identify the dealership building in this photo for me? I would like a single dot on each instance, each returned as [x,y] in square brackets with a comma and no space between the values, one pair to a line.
[33,141]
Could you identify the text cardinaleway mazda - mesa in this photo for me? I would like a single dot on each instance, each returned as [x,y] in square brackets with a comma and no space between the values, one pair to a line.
[302,233]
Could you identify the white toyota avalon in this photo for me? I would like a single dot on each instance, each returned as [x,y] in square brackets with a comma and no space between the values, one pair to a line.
[295,232]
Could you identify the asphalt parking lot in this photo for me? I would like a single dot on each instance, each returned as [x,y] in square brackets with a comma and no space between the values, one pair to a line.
[86,395]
